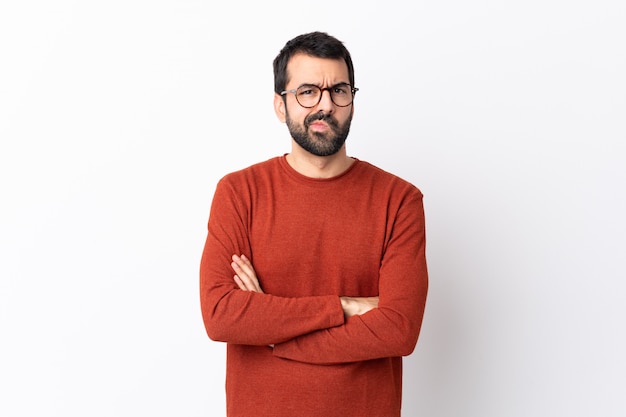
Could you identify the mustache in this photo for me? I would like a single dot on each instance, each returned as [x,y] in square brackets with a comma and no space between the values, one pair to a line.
[332,122]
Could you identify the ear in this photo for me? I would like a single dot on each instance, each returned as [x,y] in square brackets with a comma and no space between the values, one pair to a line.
[279,107]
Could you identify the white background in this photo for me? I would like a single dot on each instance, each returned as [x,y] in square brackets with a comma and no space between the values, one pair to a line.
[117,118]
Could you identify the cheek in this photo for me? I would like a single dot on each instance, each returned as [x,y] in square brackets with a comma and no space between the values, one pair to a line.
[296,114]
[344,115]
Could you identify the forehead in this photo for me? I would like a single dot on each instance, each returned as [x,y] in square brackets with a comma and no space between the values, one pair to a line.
[306,69]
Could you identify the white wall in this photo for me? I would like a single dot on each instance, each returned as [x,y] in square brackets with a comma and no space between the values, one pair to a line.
[117,118]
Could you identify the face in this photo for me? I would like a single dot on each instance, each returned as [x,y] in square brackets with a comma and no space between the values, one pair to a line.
[321,130]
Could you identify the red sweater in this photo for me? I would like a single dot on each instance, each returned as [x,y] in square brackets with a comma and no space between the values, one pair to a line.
[310,241]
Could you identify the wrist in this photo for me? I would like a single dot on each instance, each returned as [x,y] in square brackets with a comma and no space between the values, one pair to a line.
[348,306]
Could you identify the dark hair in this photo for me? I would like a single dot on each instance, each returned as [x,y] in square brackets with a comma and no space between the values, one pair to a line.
[316,44]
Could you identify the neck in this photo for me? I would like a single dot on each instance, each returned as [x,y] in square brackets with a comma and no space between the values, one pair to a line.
[315,166]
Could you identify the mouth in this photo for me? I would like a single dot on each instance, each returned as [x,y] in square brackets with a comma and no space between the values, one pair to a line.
[318,125]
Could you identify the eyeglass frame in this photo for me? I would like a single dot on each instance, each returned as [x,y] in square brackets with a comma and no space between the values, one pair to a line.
[353,90]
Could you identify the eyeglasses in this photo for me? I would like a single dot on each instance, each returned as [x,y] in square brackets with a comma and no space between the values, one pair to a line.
[309,95]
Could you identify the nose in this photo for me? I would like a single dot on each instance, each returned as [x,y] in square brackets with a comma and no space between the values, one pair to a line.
[326,103]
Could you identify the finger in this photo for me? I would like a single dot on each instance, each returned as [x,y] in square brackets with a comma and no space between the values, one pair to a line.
[243,279]
[240,283]
[243,268]
[248,279]
[245,265]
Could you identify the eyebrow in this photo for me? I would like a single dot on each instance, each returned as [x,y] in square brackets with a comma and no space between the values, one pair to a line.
[318,86]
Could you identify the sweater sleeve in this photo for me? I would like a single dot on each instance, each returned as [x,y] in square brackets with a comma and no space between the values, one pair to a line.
[241,317]
[392,329]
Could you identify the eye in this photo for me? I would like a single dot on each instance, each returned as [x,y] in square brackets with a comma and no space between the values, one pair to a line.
[342,89]
[308,90]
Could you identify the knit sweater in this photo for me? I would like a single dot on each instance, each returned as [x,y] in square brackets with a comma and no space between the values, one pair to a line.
[310,241]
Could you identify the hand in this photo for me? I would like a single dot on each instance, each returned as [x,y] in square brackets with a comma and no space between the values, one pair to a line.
[353,306]
[245,276]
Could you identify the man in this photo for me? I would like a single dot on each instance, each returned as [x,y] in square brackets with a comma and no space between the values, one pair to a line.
[314,268]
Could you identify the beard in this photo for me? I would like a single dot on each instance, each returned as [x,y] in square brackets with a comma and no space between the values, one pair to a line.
[318,143]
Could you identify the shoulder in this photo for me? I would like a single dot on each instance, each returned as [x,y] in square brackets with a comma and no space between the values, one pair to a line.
[239,188]
[252,173]
[384,179]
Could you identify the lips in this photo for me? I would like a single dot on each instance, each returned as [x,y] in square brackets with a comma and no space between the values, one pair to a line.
[320,122]
[319,125]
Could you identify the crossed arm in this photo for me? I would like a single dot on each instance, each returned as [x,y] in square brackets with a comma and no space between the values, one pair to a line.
[246,279]
[313,329]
